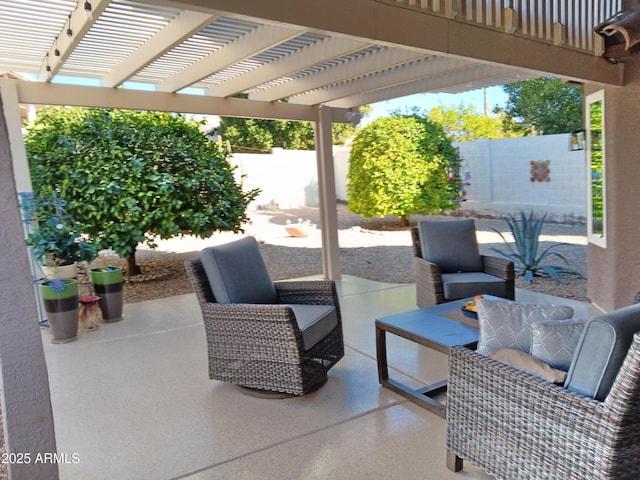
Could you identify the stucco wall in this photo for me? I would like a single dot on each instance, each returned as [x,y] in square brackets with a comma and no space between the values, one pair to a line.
[499,172]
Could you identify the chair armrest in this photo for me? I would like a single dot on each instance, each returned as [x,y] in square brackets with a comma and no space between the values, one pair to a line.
[499,267]
[307,292]
[502,268]
[429,286]
[242,323]
[500,419]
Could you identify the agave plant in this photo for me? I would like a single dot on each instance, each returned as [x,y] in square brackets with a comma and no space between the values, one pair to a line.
[525,256]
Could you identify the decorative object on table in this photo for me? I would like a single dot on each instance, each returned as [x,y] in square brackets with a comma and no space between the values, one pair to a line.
[89,314]
[528,261]
[301,229]
[108,285]
[470,309]
[60,298]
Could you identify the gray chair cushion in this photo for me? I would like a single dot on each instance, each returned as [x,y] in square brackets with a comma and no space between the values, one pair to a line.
[237,273]
[508,324]
[452,245]
[601,350]
[470,284]
[315,322]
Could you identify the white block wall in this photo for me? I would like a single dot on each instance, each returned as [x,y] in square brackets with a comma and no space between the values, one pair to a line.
[500,177]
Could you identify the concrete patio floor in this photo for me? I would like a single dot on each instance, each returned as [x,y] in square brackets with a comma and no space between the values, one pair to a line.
[133,400]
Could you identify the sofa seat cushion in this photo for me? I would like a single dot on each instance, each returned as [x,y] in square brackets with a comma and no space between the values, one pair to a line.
[315,322]
[508,324]
[601,350]
[470,284]
[450,244]
[237,273]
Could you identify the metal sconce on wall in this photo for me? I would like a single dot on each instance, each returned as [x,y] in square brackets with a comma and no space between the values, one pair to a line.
[577,140]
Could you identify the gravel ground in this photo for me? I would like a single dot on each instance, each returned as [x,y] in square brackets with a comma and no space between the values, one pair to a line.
[379,249]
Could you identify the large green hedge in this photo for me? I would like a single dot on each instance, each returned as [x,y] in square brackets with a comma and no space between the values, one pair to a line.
[403,165]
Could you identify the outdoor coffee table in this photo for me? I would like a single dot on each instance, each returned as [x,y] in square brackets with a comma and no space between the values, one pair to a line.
[439,327]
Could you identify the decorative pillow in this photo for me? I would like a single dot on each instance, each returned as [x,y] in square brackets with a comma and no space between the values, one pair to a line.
[450,244]
[529,364]
[508,324]
[554,341]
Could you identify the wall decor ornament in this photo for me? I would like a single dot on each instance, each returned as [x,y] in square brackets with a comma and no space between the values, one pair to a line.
[540,170]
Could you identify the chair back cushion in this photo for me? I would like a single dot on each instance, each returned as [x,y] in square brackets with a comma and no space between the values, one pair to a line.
[237,273]
[601,351]
[451,244]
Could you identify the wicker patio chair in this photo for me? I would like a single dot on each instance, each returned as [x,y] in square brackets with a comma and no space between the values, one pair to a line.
[261,347]
[517,426]
[454,269]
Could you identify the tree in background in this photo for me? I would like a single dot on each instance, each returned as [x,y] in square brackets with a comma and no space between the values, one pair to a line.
[402,165]
[464,123]
[134,176]
[542,106]
[249,135]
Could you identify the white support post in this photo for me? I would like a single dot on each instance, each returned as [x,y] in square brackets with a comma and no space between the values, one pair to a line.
[24,383]
[327,194]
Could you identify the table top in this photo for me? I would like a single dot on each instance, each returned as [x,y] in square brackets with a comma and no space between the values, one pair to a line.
[430,324]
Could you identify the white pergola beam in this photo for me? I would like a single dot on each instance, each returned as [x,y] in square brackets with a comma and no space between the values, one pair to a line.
[374,61]
[78,23]
[403,74]
[76,95]
[257,41]
[180,28]
[465,75]
[386,24]
[319,52]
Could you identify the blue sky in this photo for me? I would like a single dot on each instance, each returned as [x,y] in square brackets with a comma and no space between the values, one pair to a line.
[427,101]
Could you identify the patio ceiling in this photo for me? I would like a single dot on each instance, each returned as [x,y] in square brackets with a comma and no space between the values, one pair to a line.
[343,54]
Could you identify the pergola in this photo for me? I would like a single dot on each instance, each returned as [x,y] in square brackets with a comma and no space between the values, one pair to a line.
[297,60]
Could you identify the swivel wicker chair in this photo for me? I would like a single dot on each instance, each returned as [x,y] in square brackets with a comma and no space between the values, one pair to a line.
[266,337]
[448,265]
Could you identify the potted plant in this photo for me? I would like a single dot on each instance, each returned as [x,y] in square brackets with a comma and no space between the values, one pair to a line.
[107,280]
[60,298]
[58,245]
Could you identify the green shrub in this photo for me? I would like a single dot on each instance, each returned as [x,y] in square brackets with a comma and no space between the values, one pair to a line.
[403,165]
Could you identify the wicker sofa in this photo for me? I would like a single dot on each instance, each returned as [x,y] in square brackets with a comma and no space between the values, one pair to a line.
[264,348]
[517,426]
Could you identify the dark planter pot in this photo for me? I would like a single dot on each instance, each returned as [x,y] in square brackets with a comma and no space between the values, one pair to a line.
[60,298]
[108,283]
